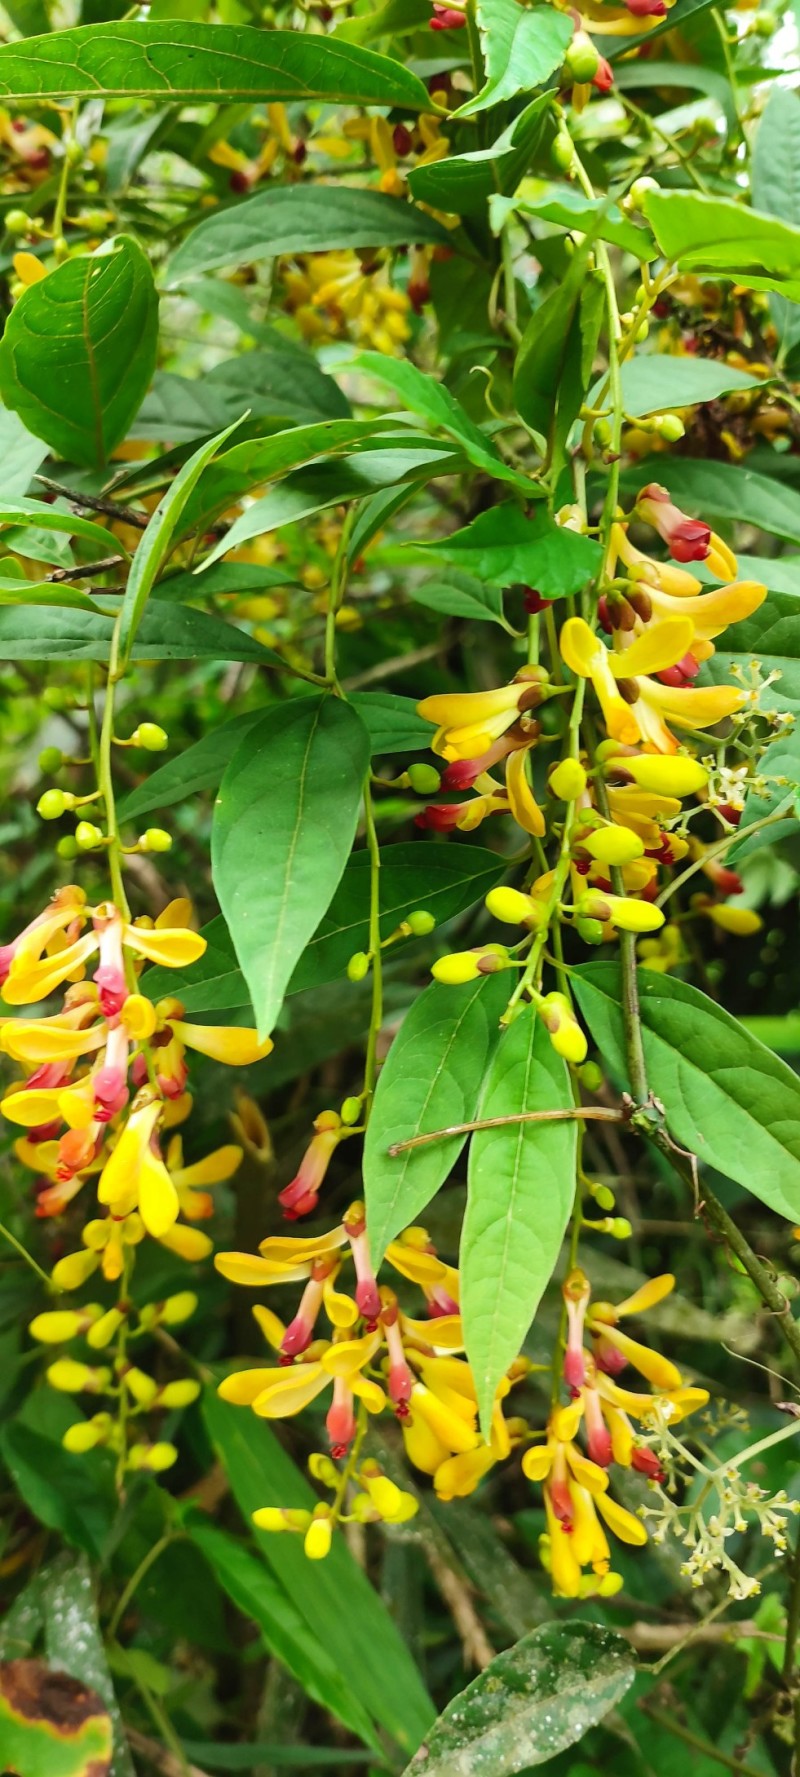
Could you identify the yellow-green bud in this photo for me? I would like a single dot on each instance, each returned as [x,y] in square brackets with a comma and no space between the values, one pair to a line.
[670,427]
[323,1469]
[358,966]
[57,1325]
[666,775]
[590,930]
[567,780]
[467,965]
[179,1394]
[103,1331]
[363,1510]
[66,848]
[17,222]
[420,923]
[624,913]
[582,60]
[70,1377]
[274,1518]
[150,736]
[742,922]
[74,1269]
[319,1536]
[73,153]
[612,845]
[591,1076]
[424,779]
[351,1110]
[178,1308]
[54,803]
[155,1457]
[51,759]
[88,836]
[141,1386]
[155,839]
[562,152]
[604,1198]
[84,1436]
[639,189]
[510,906]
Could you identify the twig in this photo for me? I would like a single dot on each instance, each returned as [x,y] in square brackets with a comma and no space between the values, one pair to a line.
[660,1638]
[85,571]
[597,1113]
[478,1650]
[386,669]
[165,1762]
[96,503]
[698,1745]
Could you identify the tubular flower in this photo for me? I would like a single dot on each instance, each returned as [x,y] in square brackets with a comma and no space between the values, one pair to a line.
[301,1196]
[469,723]
[575,1491]
[687,539]
[643,712]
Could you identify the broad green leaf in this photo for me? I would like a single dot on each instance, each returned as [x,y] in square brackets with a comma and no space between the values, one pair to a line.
[502,546]
[155,543]
[199,767]
[79,349]
[779,767]
[392,722]
[463,183]
[460,595]
[219,63]
[534,1700]
[551,339]
[431,1079]
[431,401]
[653,382]
[726,1098]
[443,880]
[21,453]
[45,592]
[521,1187]
[397,18]
[719,236]
[284,824]
[641,75]
[334,1597]
[571,209]
[299,219]
[521,49]
[75,1498]
[51,1725]
[19,511]
[167,632]
[238,578]
[280,386]
[775,185]
[262,1598]
[258,460]
[728,491]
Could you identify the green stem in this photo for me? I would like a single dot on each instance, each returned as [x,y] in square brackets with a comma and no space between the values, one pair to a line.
[338,588]
[24,1254]
[671,142]
[698,1745]
[376,1014]
[716,851]
[136,1578]
[105,780]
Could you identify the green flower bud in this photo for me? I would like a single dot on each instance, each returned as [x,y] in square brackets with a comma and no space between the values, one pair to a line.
[425,779]
[350,1110]
[17,222]
[88,836]
[421,923]
[562,152]
[590,930]
[670,427]
[67,848]
[155,1457]
[141,1386]
[51,760]
[54,803]
[150,736]
[179,1394]
[358,966]
[177,1308]
[582,60]
[155,839]
[101,1334]
[591,1076]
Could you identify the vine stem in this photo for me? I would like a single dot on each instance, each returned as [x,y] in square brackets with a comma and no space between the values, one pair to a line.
[6,1234]
[136,1578]
[716,851]
[567,1114]
[698,1745]
[376,1014]
[105,780]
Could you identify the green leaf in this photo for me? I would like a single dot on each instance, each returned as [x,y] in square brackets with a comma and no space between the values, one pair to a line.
[54,518]
[312,490]
[653,382]
[550,341]
[433,402]
[73,1641]
[717,235]
[334,1597]
[640,75]
[261,1597]
[502,546]
[775,185]
[166,632]
[726,490]
[20,452]
[392,722]
[258,460]
[52,1725]
[780,761]
[521,1187]
[219,63]
[521,49]
[154,545]
[461,596]
[225,1756]
[282,386]
[70,1495]
[463,183]
[79,350]
[726,1098]
[45,592]
[534,1700]
[299,219]
[572,209]
[284,825]
[431,1079]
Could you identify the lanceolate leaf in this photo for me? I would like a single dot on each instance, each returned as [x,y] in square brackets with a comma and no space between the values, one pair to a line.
[726,1098]
[219,63]
[719,235]
[300,219]
[522,47]
[531,1702]
[283,828]
[521,1185]
[432,1078]
[166,632]
[658,382]
[463,182]
[79,350]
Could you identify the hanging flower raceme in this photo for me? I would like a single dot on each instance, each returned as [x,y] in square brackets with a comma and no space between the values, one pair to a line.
[578,1503]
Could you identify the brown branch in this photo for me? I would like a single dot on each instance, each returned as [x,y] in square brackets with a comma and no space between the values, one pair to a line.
[661,1638]
[86,571]
[478,1650]
[96,503]
[597,1113]
[161,1760]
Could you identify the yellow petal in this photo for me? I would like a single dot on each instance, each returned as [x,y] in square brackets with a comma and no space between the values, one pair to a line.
[348,1356]
[243,1387]
[121,1171]
[587,1474]
[158,1199]
[283,1249]
[255,1273]
[45,1041]
[458,1476]
[30,1108]
[522,802]
[271,1325]
[695,706]
[449,1427]
[444,1332]
[622,1522]
[658,647]
[679,775]
[175,947]
[657,1369]
[213,1170]
[537,1462]
[579,646]
[189,1243]
[469,708]
[236,1047]
[564,1569]
[32,981]
[649,1293]
[371,1393]
[289,1391]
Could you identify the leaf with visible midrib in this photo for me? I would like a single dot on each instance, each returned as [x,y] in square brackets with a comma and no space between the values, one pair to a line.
[534,1700]
[284,824]
[522,47]
[79,350]
[431,1079]
[726,1098]
[521,1185]
[300,219]
[179,60]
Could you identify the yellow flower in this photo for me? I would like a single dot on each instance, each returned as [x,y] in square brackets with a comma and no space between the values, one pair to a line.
[586,655]
[135,1176]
